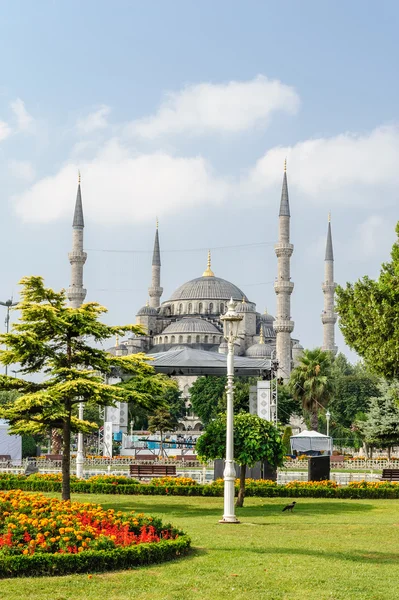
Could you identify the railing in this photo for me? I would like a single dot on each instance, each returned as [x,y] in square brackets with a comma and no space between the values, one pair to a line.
[348,464]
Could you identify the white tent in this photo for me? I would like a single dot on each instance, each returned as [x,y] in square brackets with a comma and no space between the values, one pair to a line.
[311,440]
[10,444]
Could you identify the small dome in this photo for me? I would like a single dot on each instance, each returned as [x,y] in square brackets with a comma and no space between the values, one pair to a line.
[147,311]
[297,346]
[191,325]
[244,307]
[259,351]
[266,318]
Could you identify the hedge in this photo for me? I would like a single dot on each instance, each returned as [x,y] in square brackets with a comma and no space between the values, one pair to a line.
[93,561]
[260,488]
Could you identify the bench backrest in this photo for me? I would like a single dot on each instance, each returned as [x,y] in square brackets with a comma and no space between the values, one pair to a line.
[152,469]
[390,472]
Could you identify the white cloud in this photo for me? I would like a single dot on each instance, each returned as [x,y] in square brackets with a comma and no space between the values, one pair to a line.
[232,107]
[341,169]
[21,169]
[5,130]
[119,186]
[94,121]
[25,121]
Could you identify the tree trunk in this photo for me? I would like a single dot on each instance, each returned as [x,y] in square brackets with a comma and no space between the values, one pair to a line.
[389,449]
[161,446]
[66,460]
[56,441]
[314,419]
[241,492]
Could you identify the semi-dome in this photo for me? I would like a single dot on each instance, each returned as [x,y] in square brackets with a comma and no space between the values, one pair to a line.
[191,325]
[147,311]
[244,307]
[259,351]
[266,318]
[208,288]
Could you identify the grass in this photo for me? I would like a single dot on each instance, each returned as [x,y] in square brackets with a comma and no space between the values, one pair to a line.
[325,550]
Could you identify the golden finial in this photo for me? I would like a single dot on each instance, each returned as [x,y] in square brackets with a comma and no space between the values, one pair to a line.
[329,216]
[266,313]
[285,165]
[261,336]
[116,340]
[79,177]
[147,303]
[157,223]
[208,272]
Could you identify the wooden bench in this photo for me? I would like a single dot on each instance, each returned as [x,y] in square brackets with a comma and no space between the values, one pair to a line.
[150,471]
[5,457]
[390,475]
[53,456]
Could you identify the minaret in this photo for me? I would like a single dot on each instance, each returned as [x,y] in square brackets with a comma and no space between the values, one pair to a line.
[283,286]
[329,317]
[155,291]
[76,292]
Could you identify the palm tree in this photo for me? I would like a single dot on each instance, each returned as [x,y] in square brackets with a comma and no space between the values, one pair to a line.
[311,382]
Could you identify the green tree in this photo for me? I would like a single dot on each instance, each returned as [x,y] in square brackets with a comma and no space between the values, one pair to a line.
[381,425]
[369,317]
[161,421]
[287,405]
[254,440]
[205,396]
[287,440]
[311,382]
[56,341]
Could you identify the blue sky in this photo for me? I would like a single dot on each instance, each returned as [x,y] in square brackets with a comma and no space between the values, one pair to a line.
[186,110]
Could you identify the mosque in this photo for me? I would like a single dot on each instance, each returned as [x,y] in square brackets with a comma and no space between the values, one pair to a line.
[190,318]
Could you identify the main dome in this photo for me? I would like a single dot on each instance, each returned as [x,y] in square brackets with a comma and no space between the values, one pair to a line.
[191,325]
[208,288]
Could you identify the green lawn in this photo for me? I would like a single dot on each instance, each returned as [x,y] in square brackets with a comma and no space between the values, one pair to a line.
[326,549]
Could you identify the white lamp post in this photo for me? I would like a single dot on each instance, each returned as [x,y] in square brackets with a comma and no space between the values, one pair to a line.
[231,321]
[328,415]
[80,454]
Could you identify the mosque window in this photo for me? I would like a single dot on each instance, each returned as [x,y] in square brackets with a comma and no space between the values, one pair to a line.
[200,307]
[189,339]
[180,309]
[172,309]
[167,311]
[166,339]
[180,339]
[206,339]
[214,339]
[211,307]
[190,308]
[172,339]
[222,308]
[197,339]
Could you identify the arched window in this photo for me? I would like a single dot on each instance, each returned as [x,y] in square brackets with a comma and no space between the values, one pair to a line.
[206,339]
[222,308]
[189,339]
[172,339]
[180,309]
[172,309]
[166,339]
[211,307]
[190,308]
[180,339]
[214,339]
[168,311]
[200,307]
[197,339]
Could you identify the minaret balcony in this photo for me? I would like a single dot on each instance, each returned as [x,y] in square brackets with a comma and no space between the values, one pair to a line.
[328,317]
[333,350]
[154,292]
[283,287]
[283,249]
[283,326]
[328,288]
[76,293]
[77,257]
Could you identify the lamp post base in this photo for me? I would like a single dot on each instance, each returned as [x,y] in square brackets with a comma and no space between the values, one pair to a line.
[230,520]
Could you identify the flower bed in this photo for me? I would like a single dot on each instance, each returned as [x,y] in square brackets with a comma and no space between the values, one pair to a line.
[45,536]
[185,486]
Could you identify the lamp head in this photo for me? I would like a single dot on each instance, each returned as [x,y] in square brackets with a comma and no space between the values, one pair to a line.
[231,321]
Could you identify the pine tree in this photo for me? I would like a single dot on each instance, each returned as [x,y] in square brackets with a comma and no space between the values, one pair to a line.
[381,425]
[58,343]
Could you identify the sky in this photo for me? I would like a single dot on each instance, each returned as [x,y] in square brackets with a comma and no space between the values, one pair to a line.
[185,111]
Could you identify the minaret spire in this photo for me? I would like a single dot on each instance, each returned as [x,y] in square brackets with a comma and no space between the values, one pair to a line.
[329,317]
[208,271]
[283,285]
[155,291]
[76,292]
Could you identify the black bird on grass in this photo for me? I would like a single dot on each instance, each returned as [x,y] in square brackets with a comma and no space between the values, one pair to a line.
[289,507]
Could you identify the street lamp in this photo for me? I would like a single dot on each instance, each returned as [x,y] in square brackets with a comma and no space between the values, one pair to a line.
[231,321]
[328,415]
[8,304]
